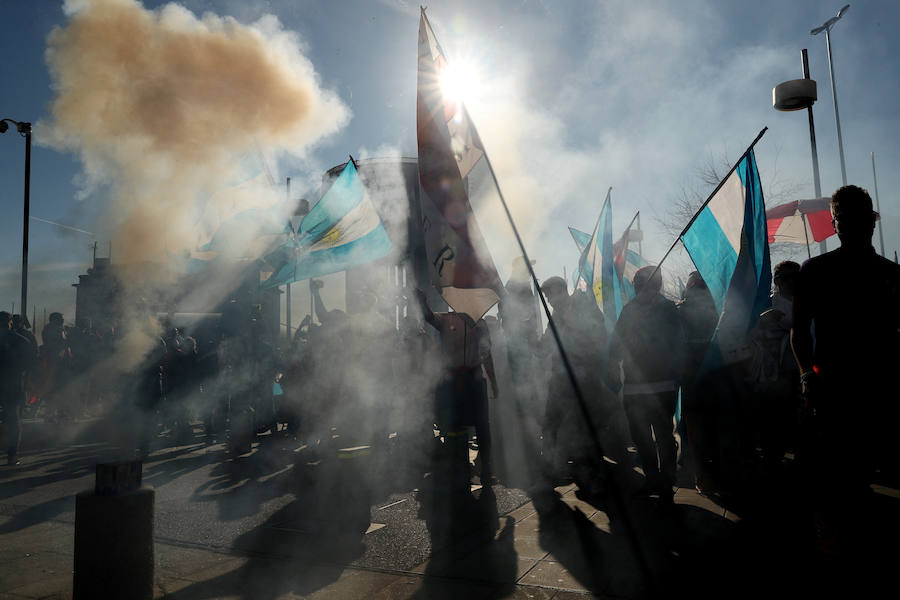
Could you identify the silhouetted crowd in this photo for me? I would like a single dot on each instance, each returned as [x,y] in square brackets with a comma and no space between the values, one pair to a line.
[808,393]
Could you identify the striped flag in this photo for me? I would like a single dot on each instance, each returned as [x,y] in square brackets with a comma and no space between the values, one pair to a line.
[728,243]
[449,149]
[627,260]
[342,230]
[597,268]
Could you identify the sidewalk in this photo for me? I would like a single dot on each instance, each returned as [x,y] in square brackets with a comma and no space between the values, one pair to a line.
[36,561]
[211,542]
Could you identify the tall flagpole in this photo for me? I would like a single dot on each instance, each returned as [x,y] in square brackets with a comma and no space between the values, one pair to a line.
[616,493]
[640,246]
[583,258]
[287,286]
[877,205]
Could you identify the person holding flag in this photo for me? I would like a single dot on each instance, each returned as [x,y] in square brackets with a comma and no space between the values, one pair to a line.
[461,396]
[646,355]
[727,241]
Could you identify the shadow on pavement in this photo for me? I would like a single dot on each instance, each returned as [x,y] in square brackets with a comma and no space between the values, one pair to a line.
[470,557]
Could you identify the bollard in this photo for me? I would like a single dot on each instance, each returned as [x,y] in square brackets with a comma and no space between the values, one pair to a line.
[352,492]
[451,474]
[114,536]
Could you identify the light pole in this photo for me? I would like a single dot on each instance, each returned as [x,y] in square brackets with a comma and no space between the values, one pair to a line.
[826,27]
[24,130]
[798,94]
[877,204]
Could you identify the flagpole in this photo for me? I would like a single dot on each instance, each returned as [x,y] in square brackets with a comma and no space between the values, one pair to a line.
[579,396]
[877,204]
[583,258]
[287,287]
[711,196]
[640,241]
[636,217]
[805,233]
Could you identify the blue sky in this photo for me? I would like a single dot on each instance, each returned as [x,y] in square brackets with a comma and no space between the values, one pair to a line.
[574,97]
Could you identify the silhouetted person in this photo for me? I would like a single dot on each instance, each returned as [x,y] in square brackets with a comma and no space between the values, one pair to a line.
[699,317]
[462,393]
[55,357]
[846,342]
[566,432]
[16,357]
[21,326]
[521,327]
[648,344]
[774,375]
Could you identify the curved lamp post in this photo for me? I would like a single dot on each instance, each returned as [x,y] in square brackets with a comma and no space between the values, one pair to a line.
[826,27]
[24,130]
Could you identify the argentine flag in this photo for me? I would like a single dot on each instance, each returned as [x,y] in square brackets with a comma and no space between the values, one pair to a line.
[596,267]
[633,262]
[728,243]
[341,231]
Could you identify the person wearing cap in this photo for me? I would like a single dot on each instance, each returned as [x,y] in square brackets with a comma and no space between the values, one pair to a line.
[846,339]
[647,352]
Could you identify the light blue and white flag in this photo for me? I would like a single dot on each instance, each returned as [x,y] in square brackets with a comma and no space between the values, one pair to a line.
[341,231]
[633,262]
[596,267]
[728,243]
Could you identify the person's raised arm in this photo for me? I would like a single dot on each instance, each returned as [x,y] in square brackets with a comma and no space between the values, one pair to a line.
[314,286]
[427,313]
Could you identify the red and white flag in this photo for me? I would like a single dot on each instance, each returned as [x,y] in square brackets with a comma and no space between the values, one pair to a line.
[449,148]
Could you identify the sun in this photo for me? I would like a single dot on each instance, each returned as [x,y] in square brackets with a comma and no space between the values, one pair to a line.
[459,82]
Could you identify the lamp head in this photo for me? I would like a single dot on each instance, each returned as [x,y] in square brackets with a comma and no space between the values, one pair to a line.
[3,126]
[827,25]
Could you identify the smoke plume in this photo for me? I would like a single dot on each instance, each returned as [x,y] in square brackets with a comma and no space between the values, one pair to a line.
[161,105]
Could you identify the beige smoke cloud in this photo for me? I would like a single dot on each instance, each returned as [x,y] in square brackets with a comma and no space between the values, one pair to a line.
[162,108]
[160,105]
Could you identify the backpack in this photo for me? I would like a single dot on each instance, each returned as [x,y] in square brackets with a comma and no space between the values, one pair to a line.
[768,344]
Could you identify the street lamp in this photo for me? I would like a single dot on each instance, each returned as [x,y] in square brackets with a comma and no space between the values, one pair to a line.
[798,94]
[826,27]
[24,130]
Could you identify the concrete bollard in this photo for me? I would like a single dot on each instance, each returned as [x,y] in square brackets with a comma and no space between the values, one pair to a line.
[114,536]
[451,470]
[349,499]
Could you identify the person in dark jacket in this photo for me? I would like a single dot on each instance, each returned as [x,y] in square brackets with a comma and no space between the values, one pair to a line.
[16,357]
[647,351]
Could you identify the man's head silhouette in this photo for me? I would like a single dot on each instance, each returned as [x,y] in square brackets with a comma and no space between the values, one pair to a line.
[852,216]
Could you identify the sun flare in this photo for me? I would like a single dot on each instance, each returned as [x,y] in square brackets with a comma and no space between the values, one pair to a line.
[459,82]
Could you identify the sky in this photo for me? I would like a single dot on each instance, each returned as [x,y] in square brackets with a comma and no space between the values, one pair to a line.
[570,98]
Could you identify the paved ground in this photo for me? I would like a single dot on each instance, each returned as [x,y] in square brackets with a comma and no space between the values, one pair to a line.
[268,526]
